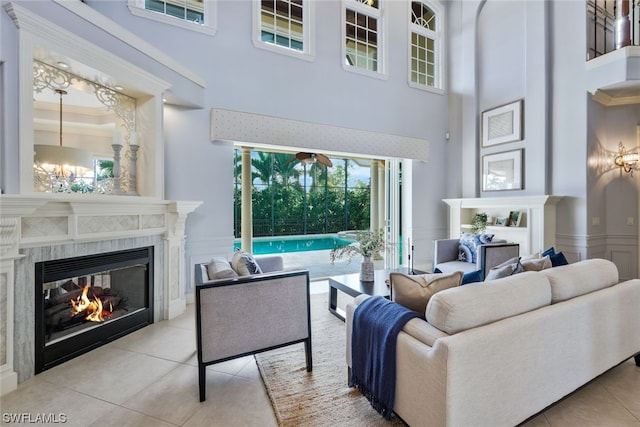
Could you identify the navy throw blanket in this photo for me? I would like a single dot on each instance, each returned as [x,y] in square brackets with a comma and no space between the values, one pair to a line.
[376,324]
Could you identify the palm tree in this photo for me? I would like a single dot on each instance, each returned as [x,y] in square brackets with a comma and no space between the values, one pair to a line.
[285,168]
[237,165]
[263,168]
[317,174]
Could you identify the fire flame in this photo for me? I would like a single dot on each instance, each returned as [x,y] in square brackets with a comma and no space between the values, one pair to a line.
[94,309]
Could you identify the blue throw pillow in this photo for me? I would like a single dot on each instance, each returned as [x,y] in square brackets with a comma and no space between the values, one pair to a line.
[558,259]
[437,270]
[485,238]
[474,276]
[471,242]
[464,253]
[468,247]
[549,252]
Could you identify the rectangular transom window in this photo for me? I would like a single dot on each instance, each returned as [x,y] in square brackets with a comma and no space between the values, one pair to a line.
[281,23]
[424,49]
[422,60]
[189,10]
[284,26]
[196,15]
[363,35]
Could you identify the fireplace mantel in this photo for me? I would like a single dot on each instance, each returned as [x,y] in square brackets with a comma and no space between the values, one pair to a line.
[45,224]
[68,218]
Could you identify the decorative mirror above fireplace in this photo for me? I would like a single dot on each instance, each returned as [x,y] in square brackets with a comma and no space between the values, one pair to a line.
[95,118]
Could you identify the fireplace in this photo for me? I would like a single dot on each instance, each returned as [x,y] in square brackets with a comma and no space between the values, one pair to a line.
[84,302]
[70,230]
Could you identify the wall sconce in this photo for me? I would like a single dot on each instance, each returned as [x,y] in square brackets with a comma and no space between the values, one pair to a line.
[627,160]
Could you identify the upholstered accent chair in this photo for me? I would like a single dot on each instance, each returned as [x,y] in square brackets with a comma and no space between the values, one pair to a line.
[446,256]
[243,315]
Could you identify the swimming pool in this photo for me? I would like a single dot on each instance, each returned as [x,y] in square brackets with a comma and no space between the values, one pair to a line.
[303,243]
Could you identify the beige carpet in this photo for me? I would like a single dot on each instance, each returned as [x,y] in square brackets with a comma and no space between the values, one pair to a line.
[321,397]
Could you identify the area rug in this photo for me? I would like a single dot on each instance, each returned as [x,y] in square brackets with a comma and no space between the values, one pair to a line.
[322,397]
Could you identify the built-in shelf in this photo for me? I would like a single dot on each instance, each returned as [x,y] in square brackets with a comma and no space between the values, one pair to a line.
[537,227]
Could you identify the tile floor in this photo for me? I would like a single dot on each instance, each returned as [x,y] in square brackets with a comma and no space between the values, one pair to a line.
[149,378]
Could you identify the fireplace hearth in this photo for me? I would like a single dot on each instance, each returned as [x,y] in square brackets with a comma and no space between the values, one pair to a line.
[85,302]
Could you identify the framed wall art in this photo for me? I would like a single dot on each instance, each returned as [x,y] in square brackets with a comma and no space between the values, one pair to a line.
[502,171]
[502,124]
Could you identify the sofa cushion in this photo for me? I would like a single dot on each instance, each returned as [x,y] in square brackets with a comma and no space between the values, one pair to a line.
[549,251]
[476,304]
[453,266]
[414,291]
[509,267]
[244,264]
[219,268]
[499,272]
[558,259]
[580,278]
[538,264]
[535,255]
[472,277]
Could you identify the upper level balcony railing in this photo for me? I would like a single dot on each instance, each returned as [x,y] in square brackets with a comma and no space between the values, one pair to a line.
[611,25]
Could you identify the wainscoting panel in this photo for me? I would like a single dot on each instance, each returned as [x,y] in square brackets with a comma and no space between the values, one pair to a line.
[624,261]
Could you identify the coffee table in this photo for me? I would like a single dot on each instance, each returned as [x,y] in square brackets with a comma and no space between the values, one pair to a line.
[351,285]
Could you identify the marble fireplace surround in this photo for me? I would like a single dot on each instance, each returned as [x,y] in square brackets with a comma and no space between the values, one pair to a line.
[45,227]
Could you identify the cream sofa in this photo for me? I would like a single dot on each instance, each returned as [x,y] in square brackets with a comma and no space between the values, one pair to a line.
[496,353]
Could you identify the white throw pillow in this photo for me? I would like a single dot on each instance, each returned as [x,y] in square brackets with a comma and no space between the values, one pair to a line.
[535,255]
[536,264]
[244,264]
[507,268]
[219,268]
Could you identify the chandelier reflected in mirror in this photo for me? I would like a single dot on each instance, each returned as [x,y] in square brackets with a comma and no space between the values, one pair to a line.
[99,112]
[60,166]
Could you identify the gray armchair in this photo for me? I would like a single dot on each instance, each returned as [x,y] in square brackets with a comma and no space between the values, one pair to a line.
[250,314]
[445,256]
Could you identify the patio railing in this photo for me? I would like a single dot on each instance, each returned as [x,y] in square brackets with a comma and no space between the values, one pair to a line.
[289,227]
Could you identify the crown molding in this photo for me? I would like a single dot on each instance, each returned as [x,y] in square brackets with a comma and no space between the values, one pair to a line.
[607,100]
[95,18]
[61,40]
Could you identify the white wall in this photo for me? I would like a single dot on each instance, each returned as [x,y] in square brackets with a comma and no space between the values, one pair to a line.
[512,62]
[569,124]
[241,77]
[532,50]
[497,52]
[613,195]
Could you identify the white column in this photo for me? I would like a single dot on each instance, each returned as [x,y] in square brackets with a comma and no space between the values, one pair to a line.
[175,272]
[373,205]
[407,210]
[246,207]
[8,255]
[382,196]
[392,167]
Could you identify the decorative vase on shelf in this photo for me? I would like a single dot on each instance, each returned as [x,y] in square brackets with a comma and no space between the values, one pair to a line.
[366,270]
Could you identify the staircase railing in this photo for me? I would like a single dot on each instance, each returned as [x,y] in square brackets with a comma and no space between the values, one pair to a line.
[611,25]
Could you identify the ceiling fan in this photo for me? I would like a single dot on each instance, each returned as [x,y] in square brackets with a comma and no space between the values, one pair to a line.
[309,158]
